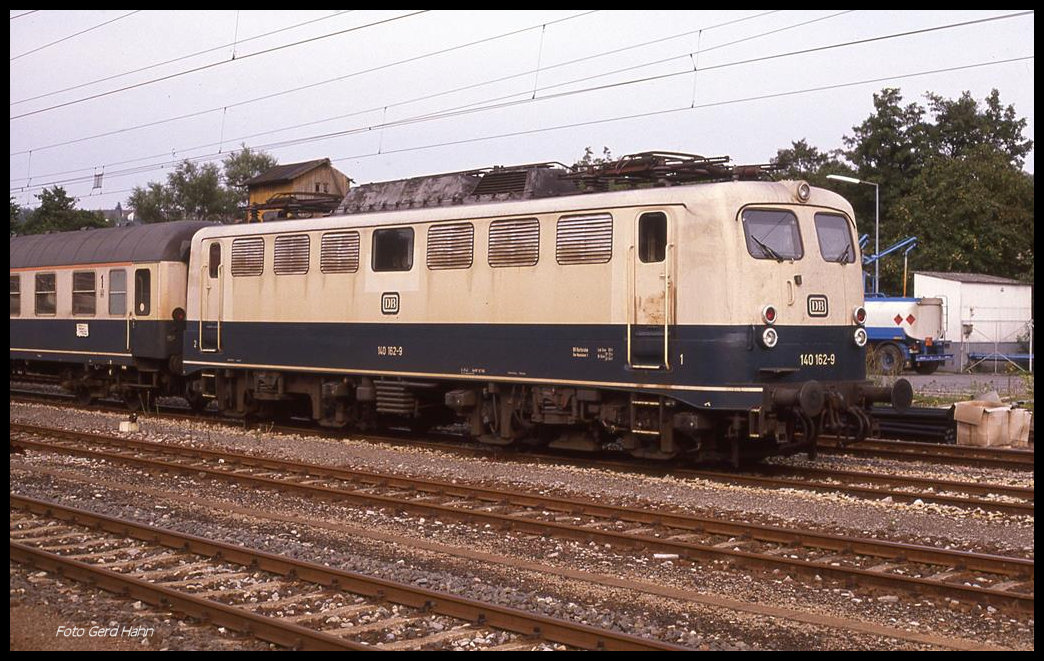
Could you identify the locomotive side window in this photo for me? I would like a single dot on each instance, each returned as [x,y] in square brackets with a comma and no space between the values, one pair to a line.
[142,292]
[584,239]
[451,246]
[652,237]
[16,295]
[339,252]
[393,249]
[215,259]
[84,294]
[514,242]
[835,239]
[46,293]
[291,255]
[248,256]
[772,234]
[117,292]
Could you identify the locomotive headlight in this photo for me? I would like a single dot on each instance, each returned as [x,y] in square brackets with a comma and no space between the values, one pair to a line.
[859,315]
[768,314]
[804,191]
[769,337]
[860,337]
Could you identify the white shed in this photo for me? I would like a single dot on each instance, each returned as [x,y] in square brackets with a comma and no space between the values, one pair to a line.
[984,314]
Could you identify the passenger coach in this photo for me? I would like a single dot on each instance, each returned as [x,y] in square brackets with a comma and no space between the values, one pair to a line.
[102,309]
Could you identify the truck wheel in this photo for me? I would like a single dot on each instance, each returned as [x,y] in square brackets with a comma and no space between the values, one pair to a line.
[889,359]
[926,368]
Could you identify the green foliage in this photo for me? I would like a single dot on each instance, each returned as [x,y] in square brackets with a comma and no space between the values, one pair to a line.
[196,192]
[16,212]
[57,213]
[949,174]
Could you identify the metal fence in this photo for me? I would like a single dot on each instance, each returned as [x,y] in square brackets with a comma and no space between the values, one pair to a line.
[1001,342]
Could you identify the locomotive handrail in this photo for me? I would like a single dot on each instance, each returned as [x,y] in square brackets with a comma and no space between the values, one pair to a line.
[666,304]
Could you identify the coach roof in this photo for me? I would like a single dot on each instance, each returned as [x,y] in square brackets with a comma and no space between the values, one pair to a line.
[158,242]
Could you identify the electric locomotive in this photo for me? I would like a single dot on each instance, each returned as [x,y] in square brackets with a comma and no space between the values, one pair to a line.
[695,312]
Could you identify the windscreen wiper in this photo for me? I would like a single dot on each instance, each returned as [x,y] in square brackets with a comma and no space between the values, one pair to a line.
[768,251]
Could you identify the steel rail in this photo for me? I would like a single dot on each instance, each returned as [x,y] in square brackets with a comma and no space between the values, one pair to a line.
[491,615]
[1018,567]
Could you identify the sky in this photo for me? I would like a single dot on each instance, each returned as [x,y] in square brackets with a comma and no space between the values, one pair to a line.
[391,94]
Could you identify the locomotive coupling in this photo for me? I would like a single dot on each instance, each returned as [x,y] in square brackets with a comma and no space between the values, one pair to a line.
[809,397]
[900,395]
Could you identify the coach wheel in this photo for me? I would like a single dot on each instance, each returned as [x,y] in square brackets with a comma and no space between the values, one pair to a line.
[889,359]
[196,401]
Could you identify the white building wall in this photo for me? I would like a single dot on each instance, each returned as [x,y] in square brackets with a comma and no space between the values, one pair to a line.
[985,317]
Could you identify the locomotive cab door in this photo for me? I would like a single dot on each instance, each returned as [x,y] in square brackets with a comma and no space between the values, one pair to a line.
[651,300]
[211,286]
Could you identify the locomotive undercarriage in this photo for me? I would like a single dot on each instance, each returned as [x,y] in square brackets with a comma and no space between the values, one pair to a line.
[652,426]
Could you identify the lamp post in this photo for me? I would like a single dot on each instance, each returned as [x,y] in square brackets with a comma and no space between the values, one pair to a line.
[877,221]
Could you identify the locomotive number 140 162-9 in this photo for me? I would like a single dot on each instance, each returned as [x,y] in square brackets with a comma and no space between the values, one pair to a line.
[818,359]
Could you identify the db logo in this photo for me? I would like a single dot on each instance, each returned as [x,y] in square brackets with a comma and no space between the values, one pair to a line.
[817,305]
[390,303]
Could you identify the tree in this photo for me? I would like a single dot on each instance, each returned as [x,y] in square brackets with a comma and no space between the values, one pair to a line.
[58,213]
[929,165]
[242,166]
[196,192]
[16,212]
[803,161]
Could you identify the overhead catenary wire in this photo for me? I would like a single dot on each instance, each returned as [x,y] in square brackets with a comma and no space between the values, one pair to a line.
[633,116]
[501,102]
[214,64]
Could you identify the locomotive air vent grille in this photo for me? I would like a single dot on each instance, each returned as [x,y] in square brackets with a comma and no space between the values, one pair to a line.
[514,242]
[291,255]
[451,246]
[585,239]
[339,252]
[495,183]
[248,256]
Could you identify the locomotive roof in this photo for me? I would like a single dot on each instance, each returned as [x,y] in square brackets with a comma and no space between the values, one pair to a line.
[158,242]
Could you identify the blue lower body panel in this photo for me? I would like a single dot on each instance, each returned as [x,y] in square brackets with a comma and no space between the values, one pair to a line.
[708,366]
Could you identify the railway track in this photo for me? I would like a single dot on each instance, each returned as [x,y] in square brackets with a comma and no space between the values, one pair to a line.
[241,588]
[1012,459]
[970,577]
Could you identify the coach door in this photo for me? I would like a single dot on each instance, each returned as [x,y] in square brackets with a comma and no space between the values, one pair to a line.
[651,303]
[211,283]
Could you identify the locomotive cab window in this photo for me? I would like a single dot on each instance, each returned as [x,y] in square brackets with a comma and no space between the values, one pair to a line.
[16,295]
[652,237]
[835,238]
[84,295]
[117,292]
[46,293]
[142,292]
[772,234]
[393,249]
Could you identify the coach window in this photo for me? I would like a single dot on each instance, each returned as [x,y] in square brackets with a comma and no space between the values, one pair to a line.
[142,292]
[835,239]
[215,258]
[84,294]
[652,237]
[393,249]
[117,292]
[772,234]
[46,293]
[16,295]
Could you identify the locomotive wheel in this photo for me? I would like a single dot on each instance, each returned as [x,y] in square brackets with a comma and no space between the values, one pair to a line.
[889,359]
[136,400]
[84,397]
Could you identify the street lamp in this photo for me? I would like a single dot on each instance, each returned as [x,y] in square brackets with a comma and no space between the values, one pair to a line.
[877,221]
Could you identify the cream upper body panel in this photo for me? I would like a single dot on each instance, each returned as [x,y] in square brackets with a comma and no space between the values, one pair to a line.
[712,277]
